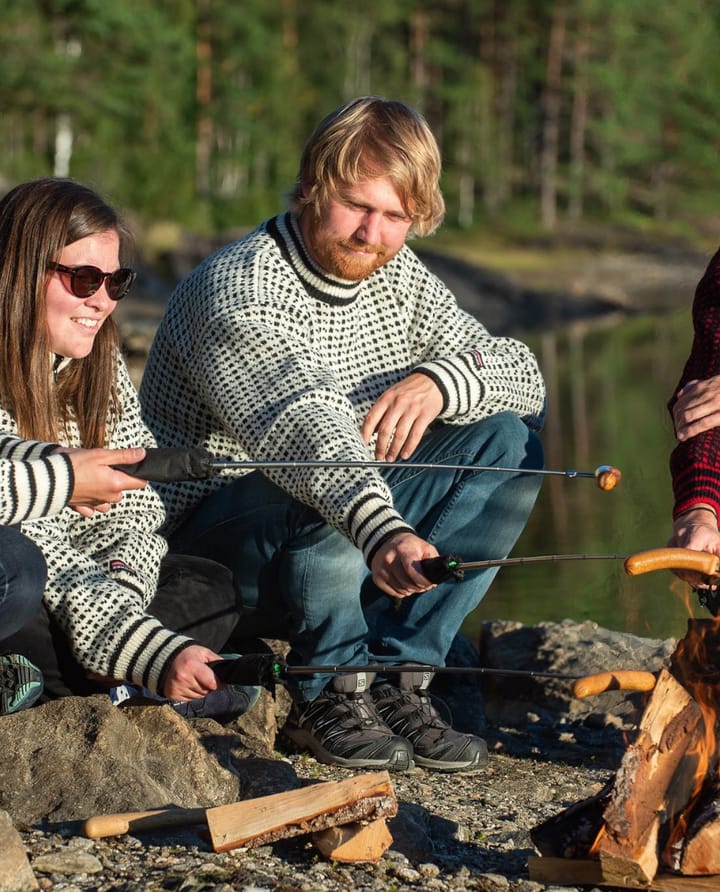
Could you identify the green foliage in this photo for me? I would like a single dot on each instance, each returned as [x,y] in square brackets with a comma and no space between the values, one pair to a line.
[197,110]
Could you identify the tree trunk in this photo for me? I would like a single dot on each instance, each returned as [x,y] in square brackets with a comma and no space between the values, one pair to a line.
[203,97]
[551,124]
[578,120]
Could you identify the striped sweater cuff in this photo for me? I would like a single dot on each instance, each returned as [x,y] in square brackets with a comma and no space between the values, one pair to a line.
[40,488]
[458,383]
[146,651]
[372,522]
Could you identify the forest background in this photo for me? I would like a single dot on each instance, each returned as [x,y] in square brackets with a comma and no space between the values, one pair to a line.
[580,142]
[548,112]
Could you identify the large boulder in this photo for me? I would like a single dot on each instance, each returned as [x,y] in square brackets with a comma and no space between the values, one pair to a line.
[72,758]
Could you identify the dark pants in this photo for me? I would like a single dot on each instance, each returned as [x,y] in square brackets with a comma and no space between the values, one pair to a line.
[195,597]
[22,580]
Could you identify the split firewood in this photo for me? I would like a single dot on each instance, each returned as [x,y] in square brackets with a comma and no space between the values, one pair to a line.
[354,842]
[700,853]
[649,791]
[565,872]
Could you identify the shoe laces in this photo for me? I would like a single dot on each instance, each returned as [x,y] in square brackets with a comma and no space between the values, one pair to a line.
[411,713]
[342,711]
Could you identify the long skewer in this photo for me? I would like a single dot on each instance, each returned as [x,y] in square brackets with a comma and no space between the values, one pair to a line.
[172,464]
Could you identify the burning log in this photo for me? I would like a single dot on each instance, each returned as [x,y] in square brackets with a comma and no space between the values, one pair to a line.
[700,853]
[662,809]
[649,789]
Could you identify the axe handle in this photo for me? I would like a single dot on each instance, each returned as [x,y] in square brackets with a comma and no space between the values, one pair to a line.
[138,821]
[672,559]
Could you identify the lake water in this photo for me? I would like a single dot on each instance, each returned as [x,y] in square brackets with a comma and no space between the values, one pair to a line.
[608,385]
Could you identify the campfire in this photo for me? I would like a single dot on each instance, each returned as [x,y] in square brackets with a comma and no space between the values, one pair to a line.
[661,812]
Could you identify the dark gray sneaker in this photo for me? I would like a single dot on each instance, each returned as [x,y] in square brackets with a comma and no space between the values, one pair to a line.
[411,714]
[344,729]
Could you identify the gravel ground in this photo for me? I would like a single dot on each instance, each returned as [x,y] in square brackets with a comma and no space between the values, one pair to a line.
[459,831]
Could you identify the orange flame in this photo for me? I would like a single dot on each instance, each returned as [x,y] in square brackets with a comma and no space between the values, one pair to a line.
[696,665]
[594,847]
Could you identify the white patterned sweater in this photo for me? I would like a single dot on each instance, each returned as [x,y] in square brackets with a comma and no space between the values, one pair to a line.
[103,570]
[261,356]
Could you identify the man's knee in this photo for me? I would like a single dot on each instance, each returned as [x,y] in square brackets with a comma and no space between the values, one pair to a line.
[510,440]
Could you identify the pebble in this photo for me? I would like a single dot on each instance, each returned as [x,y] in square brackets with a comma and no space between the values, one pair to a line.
[67,862]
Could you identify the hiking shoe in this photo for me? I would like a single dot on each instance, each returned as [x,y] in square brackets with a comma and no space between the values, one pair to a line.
[344,729]
[21,683]
[225,704]
[411,714]
[222,705]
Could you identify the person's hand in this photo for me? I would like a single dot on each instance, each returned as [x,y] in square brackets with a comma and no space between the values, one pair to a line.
[97,484]
[189,676]
[697,408]
[697,529]
[401,416]
[396,565]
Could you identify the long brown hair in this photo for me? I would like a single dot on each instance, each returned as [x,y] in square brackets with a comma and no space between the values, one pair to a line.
[37,220]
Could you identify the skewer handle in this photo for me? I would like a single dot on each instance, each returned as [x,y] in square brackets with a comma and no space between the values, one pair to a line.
[446,566]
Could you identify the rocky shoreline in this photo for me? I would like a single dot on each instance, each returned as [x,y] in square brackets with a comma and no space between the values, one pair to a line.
[67,760]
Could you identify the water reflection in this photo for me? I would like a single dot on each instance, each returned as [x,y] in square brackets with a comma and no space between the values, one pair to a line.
[607,389]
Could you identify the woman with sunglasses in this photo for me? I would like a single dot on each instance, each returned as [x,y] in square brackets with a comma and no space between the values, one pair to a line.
[63,381]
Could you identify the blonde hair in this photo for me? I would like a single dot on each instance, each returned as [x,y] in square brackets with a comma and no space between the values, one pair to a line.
[37,220]
[371,137]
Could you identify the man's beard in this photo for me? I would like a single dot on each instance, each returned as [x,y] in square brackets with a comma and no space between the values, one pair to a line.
[333,257]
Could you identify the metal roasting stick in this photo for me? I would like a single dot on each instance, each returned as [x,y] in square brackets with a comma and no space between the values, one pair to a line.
[169,464]
[227,464]
[271,668]
[423,668]
[268,669]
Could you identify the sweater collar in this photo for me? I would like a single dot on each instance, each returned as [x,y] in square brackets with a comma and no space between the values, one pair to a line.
[285,230]
[59,363]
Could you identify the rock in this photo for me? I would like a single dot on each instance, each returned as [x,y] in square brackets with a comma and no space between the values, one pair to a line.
[545,707]
[410,830]
[16,874]
[75,757]
[67,861]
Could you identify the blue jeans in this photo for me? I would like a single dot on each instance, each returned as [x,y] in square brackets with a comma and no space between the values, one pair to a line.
[23,575]
[313,583]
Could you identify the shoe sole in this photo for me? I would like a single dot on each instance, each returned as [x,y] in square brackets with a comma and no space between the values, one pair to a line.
[478,764]
[400,761]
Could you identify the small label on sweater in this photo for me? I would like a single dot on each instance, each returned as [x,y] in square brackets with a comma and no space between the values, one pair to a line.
[121,567]
[477,356]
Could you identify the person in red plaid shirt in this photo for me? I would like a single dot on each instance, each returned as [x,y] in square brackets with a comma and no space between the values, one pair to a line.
[695,410]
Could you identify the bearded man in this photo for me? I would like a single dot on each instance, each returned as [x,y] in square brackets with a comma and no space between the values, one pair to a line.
[321,336]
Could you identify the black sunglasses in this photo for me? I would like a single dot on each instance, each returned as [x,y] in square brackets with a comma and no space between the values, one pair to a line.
[86,280]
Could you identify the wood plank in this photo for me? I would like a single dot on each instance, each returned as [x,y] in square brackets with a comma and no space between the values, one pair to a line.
[305,810]
[574,872]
